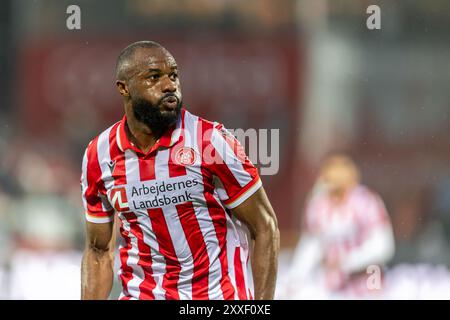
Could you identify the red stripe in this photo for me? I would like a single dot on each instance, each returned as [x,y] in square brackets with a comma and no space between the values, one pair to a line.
[240,282]
[118,156]
[196,243]
[218,217]
[94,181]
[166,248]
[113,148]
[243,190]
[145,259]
[147,168]
[127,272]
[119,174]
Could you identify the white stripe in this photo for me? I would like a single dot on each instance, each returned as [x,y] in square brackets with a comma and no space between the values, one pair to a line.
[132,167]
[230,159]
[158,262]
[92,219]
[104,158]
[176,232]
[204,219]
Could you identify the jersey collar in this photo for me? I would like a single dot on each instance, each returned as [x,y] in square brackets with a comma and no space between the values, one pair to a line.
[168,139]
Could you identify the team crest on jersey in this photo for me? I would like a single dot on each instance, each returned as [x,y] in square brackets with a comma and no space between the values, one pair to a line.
[119,199]
[185,156]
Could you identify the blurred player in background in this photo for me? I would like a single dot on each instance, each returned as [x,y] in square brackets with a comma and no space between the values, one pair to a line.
[346,229]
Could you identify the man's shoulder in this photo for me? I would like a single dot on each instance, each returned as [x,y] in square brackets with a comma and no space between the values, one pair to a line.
[364,194]
[197,125]
[190,118]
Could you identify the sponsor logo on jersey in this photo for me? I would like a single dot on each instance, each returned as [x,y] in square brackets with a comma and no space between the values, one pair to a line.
[119,199]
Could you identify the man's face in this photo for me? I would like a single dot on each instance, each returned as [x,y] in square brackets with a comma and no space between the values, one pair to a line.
[154,89]
[338,174]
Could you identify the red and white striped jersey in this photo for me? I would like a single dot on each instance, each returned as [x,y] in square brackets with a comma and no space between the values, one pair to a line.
[179,240]
[343,227]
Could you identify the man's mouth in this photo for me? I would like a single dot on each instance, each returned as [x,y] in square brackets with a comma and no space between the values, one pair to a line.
[170,102]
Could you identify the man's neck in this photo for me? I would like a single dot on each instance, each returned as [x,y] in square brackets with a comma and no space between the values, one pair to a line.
[140,135]
[339,196]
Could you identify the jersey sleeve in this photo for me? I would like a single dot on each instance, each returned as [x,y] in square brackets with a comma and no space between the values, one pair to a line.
[96,205]
[238,177]
[375,212]
[372,213]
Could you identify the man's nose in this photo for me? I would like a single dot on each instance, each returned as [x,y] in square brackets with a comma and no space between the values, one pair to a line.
[168,85]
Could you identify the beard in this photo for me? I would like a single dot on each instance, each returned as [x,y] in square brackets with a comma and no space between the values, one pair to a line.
[151,115]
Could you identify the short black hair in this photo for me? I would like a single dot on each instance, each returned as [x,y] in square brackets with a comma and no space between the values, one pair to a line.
[128,53]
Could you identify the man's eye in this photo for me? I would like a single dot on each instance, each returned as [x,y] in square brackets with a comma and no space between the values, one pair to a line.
[154,77]
[174,75]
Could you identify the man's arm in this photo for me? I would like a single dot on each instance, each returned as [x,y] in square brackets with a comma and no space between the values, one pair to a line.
[97,264]
[257,213]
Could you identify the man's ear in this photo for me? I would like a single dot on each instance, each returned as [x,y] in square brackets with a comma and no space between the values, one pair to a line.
[122,88]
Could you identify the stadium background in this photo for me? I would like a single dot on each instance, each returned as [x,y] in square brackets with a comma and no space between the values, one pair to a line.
[310,68]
